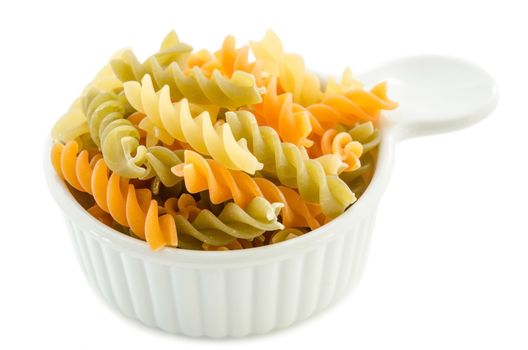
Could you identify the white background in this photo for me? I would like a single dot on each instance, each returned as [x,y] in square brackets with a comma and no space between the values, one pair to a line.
[449,260]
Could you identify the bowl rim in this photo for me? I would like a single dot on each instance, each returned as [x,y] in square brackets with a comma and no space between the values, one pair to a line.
[366,205]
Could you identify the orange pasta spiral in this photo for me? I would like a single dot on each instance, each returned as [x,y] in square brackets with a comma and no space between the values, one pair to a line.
[340,144]
[351,107]
[202,174]
[290,119]
[113,194]
[227,60]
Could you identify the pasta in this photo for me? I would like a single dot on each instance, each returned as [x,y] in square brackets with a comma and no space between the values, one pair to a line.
[369,137]
[119,140]
[221,150]
[73,123]
[316,179]
[352,106]
[227,60]
[340,144]
[202,174]
[174,121]
[284,235]
[346,83]
[289,68]
[128,206]
[291,121]
[127,67]
[239,90]
[232,223]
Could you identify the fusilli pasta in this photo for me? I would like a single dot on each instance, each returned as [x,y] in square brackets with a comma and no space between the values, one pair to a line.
[227,60]
[171,121]
[289,68]
[316,179]
[127,67]
[202,174]
[232,149]
[352,107]
[128,206]
[119,140]
[232,223]
[291,120]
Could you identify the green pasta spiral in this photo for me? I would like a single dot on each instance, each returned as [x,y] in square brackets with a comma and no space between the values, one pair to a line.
[231,93]
[119,140]
[128,68]
[316,179]
[233,222]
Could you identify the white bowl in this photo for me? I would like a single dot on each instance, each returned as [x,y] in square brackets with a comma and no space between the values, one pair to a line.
[229,293]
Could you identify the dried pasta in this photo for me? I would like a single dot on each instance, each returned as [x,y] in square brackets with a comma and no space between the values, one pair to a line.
[316,179]
[291,120]
[232,223]
[171,121]
[369,137]
[221,150]
[345,84]
[73,123]
[119,140]
[286,234]
[352,106]
[127,67]
[202,174]
[289,68]
[127,205]
[227,60]
[341,144]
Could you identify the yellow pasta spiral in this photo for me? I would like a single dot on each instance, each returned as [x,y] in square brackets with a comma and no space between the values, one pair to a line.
[169,121]
[316,179]
[289,68]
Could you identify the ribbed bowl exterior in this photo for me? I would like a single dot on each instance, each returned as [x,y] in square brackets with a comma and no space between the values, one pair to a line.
[224,301]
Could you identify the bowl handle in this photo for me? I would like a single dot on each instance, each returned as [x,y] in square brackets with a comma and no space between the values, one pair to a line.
[435,93]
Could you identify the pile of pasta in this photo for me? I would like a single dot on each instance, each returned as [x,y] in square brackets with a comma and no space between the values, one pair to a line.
[232,149]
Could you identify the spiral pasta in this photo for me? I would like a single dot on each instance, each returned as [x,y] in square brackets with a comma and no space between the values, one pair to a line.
[227,60]
[238,90]
[340,144]
[316,179]
[352,107]
[304,86]
[286,234]
[291,120]
[233,222]
[119,140]
[202,174]
[174,121]
[127,67]
[73,123]
[218,150]
[345,84]
[128,206]
[368,135]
